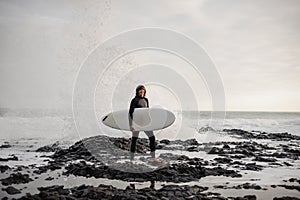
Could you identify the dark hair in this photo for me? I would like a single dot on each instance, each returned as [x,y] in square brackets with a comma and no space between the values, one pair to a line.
[138,88]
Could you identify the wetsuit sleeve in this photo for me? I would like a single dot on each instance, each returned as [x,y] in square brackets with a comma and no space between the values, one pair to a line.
[131,109]
[147,102]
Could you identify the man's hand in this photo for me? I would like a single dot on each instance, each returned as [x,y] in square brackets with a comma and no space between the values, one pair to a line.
[131,128]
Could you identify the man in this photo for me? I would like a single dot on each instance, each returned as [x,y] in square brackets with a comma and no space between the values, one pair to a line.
[140,101]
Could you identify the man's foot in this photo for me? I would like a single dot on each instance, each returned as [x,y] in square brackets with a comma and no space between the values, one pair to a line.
[157,160]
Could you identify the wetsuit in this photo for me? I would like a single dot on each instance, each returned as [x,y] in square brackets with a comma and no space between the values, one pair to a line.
[139,102]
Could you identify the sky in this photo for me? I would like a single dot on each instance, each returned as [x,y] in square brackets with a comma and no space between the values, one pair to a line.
[255,46]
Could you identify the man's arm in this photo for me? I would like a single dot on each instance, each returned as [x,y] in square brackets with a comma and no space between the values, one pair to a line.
[147,102]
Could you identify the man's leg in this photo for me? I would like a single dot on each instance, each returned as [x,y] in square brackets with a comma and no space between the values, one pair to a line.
[134,138]
[152,143]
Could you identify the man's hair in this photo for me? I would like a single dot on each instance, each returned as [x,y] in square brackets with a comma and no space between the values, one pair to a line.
[138,88]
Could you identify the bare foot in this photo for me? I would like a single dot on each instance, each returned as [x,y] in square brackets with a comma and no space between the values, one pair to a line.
[157,160]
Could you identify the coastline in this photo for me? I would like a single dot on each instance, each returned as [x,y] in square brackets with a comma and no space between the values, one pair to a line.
[262,165]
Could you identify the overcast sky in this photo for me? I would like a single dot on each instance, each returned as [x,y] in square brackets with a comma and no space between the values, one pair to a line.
[254,44]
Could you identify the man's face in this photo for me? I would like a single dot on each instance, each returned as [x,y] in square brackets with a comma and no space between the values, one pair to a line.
[142,93]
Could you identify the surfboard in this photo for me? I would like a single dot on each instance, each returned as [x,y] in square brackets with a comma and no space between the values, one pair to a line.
[144,119]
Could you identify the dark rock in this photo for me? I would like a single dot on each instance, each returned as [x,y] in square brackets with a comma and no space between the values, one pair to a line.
[253,167]
[50,148]
[49,178]
[262,135]
[3,168]
[262,159]
[192,141]
[181,172]
[287,164]
[11,190]
[223,160]
[215,150]
[291,187]
[294,180]
[247,186]
[5,145]
[165,141]
[110,192]
[16,178]
[10,158]
[192,149]
[286,198]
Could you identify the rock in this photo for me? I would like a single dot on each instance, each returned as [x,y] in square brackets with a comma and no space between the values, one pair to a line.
[262,135]
[50,148]
[286,198]
[223,160]
[253,167]
[49,178]
[11,190]
[3,168]
[192,149]
[10,158]
[5,145]
[180,172]
[165,141]
[291,187]
[214,150]
[287,164]
[16,178]
[262,159]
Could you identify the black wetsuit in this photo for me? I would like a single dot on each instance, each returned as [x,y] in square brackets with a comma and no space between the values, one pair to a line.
[139,102]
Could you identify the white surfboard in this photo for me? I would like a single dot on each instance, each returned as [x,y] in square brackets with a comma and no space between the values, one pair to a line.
[144,119]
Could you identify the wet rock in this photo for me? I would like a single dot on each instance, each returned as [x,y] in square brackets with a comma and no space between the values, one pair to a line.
[262,159]
[9,158]
[287,164]
[226,146]
[246,197]
[294,180]
[142,144]
[192,141]
[49,178]
[192,149]
[183,157]
[253,167]
[262,135]
[5,145]
[50,148]
[223,160]
[181,172]
[291,187]
[286,198]
[245,186]
[3,168]
[215,150]
[55,188]
[11,190]
[52,165]
[16,178]
[165,141]
[109,192]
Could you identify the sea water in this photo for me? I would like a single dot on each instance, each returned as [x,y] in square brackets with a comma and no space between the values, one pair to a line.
[56,125]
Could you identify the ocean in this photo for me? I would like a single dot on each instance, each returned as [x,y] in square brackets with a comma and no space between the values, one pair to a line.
[27,130]
[58,125]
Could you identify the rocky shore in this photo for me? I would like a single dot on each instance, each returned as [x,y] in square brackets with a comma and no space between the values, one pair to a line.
[98,158]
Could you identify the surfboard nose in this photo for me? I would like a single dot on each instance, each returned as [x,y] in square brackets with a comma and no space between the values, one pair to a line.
[104,118]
